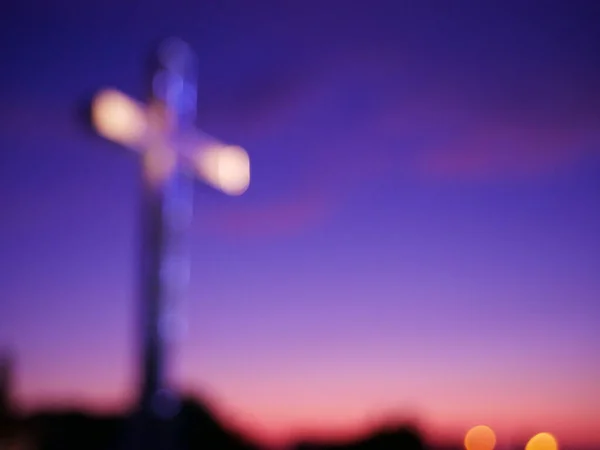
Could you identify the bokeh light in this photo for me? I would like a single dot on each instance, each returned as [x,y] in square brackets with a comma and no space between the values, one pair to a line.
[225,167]
[118,118]
[480,437]
[542,441]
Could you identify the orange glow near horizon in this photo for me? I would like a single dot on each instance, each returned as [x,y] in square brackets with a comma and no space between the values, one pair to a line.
[542,441]
[480,437]
[348,419]
[340,425]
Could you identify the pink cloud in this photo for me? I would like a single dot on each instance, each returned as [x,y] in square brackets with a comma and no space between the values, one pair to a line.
[496,151]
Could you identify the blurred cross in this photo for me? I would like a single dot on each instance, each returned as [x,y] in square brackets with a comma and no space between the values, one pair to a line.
[173,153]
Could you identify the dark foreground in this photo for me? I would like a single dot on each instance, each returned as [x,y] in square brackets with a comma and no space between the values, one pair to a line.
[196,427]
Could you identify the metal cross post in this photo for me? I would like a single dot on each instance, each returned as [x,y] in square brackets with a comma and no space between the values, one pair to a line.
[173,152]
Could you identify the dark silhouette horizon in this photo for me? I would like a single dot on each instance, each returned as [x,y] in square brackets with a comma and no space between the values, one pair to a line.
[195,427]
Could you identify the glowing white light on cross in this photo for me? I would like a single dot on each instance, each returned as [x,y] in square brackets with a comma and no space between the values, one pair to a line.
[119,118]
[225,167]
[123,120]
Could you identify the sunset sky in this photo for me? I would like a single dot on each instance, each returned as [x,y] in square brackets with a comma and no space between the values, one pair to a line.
[421,235]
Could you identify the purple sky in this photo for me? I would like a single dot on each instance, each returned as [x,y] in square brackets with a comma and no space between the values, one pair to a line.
[422,229]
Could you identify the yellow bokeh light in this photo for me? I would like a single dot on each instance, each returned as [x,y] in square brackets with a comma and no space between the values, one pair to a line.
[119,118]
[542,441]
[225,167]
[480,437]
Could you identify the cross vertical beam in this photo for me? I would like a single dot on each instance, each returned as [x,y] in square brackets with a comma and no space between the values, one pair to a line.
[167,204]
[167,212]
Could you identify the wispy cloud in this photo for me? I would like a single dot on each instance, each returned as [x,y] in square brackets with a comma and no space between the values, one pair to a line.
[490,152]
